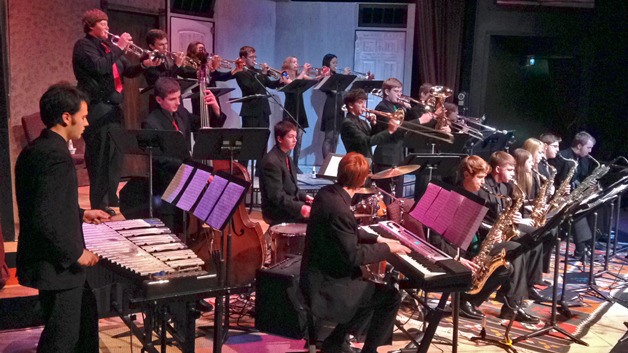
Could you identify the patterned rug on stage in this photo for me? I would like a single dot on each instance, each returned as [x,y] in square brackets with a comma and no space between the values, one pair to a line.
[587,309]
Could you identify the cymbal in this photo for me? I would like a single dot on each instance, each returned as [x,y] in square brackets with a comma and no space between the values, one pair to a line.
[366,191]
[396,171]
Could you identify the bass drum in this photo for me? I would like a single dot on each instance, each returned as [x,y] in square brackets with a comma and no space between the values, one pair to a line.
[286,239]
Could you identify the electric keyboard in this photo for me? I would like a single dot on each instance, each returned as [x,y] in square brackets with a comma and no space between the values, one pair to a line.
[426,267]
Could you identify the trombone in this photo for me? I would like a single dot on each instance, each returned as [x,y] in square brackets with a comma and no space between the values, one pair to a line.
[416,128]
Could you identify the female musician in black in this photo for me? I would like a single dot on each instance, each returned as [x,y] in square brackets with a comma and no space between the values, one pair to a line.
[332,115]
[293,105]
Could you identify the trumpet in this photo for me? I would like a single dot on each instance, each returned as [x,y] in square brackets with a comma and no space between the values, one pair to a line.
[134,48]
[223,63]
[187,61]
[317,71]
[360,75]
[274,73]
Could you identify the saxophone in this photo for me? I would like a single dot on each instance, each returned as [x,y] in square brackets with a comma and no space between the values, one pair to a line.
[539,212]
[558,199]
[487,263]
[512,231]
[588,186]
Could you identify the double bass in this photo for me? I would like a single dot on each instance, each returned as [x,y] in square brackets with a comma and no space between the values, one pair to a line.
[248,245]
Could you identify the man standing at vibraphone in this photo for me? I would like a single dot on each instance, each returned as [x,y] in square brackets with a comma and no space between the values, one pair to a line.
[51,253]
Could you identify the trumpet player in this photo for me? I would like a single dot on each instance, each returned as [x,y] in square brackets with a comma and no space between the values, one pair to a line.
[255,112]
[171,65]
[294,109]
[99,67]
[356,133]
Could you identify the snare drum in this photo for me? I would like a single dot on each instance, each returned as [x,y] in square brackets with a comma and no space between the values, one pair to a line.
[286,239]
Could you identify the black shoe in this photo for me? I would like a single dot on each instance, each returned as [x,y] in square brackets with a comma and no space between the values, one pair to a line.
[110,211]
[328,347]
[543,282]
[469,311]
[535,295]
[204,306]
[519,315]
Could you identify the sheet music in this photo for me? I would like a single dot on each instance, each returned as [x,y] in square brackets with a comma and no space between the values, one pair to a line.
[446,218]
[228,200]
[194,189]
[468,217]
[425,202]
[437,208]
[332,167]
[177,183]
[210,197]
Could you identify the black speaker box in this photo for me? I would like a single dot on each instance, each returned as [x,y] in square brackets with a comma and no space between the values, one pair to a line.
[274,311]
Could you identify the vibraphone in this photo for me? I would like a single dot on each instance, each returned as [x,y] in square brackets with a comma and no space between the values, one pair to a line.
[144,267]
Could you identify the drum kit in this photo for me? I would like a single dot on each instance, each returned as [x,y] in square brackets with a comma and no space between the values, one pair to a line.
[288,239]
[371,208]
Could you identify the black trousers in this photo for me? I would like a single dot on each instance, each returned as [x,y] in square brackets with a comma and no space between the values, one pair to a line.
[71,321]
[255,121]
[379,303]
[103,160]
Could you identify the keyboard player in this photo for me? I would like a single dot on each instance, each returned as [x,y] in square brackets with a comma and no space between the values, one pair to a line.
[330,270]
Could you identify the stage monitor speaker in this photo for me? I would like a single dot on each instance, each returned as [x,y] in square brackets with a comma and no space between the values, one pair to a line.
[274,311]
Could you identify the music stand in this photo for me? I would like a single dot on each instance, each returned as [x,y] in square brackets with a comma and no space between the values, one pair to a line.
[248,98]
[497,141]
[367,85]
[151,143]
[528,241]
[445,163]
[216,91]
[297,87]
[231,143]
[335,83]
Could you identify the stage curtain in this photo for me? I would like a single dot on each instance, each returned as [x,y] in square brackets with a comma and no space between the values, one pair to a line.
[439,36]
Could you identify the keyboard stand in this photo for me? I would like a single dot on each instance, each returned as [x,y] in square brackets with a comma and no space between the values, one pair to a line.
[421,341]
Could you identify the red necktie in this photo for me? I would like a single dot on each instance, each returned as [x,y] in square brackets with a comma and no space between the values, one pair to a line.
[288,162]
[116,74]
[174,123]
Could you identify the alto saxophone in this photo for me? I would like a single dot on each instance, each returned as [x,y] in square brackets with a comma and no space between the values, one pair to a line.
[512,231]
[539,211]
[487,263]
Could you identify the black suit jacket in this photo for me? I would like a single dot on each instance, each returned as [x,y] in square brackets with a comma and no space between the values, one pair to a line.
[51,235]
[93,70]
[358,136]
[331,278]
[584,169]
[281,198]
[389,153]
[252,81]
[164,168]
